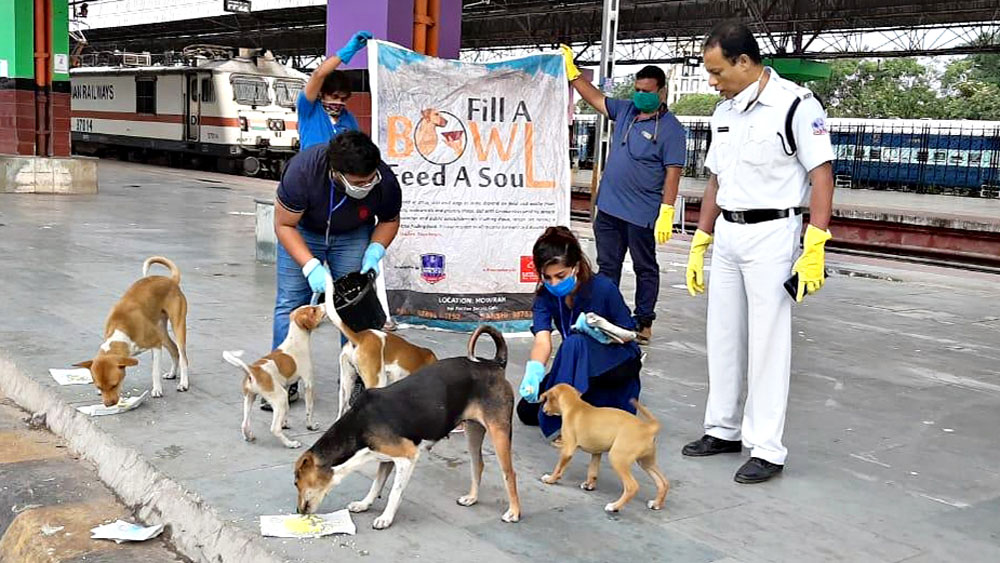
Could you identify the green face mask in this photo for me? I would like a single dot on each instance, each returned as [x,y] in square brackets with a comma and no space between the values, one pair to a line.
[646,101]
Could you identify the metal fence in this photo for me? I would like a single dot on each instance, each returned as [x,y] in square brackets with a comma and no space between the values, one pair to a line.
[944,157]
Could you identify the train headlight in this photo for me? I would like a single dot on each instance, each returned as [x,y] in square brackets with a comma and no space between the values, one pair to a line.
[244,125]
[276,124]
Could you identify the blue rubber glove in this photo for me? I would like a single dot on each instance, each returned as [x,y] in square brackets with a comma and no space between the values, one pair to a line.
[534,372]
[315,273]
[356,43]
[373,254]
[582,327]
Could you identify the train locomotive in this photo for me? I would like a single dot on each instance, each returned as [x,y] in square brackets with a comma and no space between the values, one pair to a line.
[200,107]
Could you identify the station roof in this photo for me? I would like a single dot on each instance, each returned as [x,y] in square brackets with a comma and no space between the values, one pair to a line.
[494,24]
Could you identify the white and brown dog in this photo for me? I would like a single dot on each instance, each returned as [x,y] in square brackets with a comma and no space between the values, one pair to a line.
[137,323]
[271,375]
[378,357]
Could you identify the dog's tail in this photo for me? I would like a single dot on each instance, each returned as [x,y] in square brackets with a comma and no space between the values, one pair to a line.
[645,415]
[175,272]
[235,357]
[331,311]
[498,341]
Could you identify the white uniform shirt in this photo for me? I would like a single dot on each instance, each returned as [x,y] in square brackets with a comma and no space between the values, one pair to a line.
[748,154]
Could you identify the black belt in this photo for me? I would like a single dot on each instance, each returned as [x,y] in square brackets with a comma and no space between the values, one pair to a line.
[752,216]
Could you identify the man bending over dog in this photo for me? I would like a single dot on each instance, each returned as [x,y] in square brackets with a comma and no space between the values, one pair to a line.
[336,204]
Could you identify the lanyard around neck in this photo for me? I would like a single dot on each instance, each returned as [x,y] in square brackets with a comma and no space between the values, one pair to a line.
[329,217]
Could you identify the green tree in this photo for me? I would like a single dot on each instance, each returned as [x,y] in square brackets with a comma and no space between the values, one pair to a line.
[971,85]
[893,88]
[622,90]
[695,104]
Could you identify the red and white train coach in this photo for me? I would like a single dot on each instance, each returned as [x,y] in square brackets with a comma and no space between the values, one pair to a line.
[237,111]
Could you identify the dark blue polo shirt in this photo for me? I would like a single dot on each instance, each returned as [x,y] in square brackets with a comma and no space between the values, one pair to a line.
[305,188]
[632,186]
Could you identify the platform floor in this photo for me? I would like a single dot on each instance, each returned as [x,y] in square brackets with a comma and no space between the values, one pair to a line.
[891,430]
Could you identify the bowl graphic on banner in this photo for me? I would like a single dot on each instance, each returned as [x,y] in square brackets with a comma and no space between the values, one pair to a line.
[439,136]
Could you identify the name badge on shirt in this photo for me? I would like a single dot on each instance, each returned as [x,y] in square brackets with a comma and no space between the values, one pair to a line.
[647,135]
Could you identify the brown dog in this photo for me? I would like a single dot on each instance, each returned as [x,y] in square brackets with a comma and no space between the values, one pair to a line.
[138,322]
[627,439]
[379,358]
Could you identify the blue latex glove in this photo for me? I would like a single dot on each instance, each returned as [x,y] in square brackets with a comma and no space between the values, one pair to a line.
[534,372]
[582,327]
[373,254]
[315,273]
[356,43]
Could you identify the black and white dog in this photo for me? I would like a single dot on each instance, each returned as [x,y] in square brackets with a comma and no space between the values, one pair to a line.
[387,424]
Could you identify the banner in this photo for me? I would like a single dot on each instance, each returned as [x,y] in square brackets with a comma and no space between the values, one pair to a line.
[481,152]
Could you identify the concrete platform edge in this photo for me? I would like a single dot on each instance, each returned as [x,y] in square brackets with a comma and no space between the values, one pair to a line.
[196,529]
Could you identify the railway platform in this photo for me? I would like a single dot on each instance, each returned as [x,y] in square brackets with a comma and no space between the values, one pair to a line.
[891,425]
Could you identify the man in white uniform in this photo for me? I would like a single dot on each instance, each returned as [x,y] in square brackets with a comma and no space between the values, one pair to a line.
[769,143]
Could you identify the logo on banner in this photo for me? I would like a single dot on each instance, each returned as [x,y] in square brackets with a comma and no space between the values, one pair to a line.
[432,267]
[528,273]
[439,136]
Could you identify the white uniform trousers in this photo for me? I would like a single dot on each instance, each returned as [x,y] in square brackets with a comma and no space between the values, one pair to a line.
[749,333]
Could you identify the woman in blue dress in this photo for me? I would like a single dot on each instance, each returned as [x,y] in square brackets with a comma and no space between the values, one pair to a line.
[606,374]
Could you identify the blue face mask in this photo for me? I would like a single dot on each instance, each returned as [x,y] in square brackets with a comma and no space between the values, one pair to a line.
[563,288]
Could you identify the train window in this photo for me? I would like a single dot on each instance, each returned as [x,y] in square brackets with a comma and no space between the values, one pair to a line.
[874,154]
[286,92]
[145,94]
[975,157]
[207,90]
[922,155]
[939,156]
[250,91]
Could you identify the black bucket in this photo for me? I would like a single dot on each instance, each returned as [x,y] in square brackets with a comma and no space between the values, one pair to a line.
[356,301]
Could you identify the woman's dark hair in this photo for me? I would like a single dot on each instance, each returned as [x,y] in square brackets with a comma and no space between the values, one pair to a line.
[353,152]
[735,39]
[558,245]
[654,72]
[337,82]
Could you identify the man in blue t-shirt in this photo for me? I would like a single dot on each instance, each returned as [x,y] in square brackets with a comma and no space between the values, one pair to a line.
[322,104]
[635,202]
[337,207]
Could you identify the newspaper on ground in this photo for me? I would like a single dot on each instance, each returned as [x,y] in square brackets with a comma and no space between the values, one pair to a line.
[307,525]
[74,376]
[121,531]
[124,405]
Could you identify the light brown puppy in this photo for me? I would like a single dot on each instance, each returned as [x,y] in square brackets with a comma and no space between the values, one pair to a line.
[271,375]
[627,439]
[138,322]
[380,358]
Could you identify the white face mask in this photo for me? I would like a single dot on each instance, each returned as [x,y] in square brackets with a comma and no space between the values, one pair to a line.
[361,191]
[749,94]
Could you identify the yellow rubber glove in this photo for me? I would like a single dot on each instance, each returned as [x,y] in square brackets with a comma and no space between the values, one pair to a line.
[572,73]
[664,228]
[696,262]
[810,266]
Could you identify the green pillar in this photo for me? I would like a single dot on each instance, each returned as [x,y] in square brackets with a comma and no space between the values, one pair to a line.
[25,107]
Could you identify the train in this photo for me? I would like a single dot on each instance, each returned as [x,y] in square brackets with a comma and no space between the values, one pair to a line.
[205,106]
[920,155]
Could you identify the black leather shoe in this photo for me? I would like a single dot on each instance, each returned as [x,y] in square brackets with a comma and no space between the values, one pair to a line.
[710,445]
[757,470]
[293,395]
